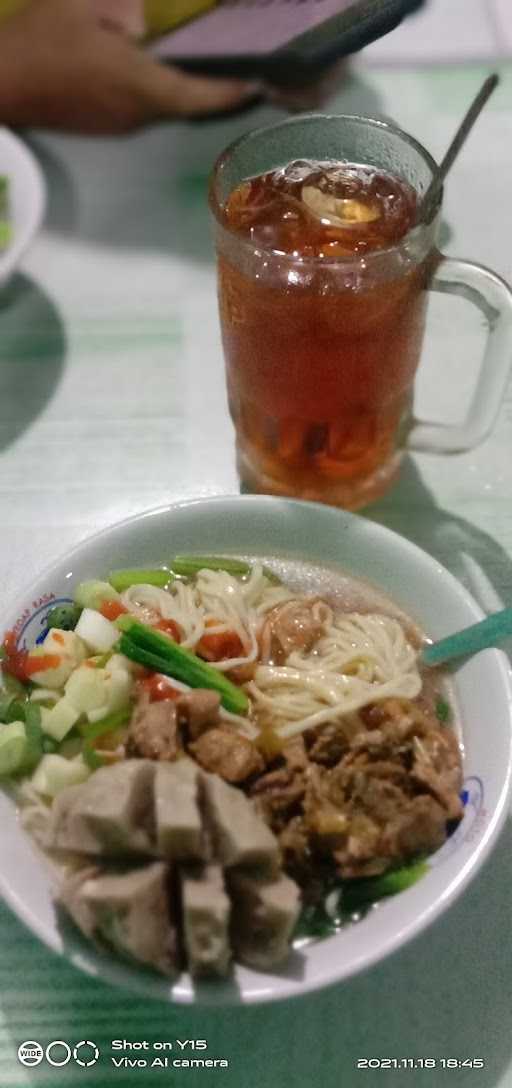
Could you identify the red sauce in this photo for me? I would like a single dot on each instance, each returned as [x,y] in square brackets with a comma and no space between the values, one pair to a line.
[158,688]
[221,646]
[112,609]
[40,664]
[20,664]
[169,627]
[15,660]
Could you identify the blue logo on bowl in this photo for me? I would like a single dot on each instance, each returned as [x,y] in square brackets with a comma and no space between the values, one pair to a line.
[32,626]
[473,821]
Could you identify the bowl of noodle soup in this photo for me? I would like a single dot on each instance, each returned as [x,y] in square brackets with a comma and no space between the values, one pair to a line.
[372,599]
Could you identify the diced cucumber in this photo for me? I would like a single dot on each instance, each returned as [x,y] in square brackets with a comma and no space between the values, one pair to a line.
[13,748]
[94,593]
[99,634]
[44,695]
[99,660]
[54,677]
[58,721]
[119,685]
[120,663]
[86,689]
[28,715]
[55,774]
[67,647]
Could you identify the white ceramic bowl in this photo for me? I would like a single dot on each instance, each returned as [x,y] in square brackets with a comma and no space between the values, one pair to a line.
[421,587]
[27,199]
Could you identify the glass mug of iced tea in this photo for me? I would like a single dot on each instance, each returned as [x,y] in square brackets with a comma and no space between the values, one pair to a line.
[324,267]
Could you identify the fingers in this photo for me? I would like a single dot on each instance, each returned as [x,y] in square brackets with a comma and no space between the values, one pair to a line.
[313,94]
[171,93]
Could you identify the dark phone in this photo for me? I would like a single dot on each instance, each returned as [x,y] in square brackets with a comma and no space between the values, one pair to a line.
[286,42]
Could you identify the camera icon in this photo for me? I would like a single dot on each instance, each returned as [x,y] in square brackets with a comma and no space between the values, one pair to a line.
[30,1053]
[58,1053]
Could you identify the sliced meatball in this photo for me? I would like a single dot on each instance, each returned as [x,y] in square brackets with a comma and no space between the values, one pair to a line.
[130,911]
[111,814]
[264,914]
[178,824]
[206,912]
[228,754]
[238,834]
[153,732]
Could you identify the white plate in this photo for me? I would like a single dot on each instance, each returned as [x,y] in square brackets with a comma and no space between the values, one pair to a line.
[27,199]
[421,587]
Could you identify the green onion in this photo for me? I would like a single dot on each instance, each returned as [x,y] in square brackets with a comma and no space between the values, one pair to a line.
[34,734]
[64,616]
[93,594]
[49,745]
[6,231]
[443,710]
[101,660]
[188,565]
[314,921]
[156,651]
[6,701]
[359,893]
[92,732]
[15,711]
[123,579]
[5,235]
[14,686]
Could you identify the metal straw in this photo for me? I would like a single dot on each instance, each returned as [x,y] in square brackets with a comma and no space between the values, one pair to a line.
[432,194]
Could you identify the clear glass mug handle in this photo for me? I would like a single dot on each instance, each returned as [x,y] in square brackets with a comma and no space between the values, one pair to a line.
[494,298]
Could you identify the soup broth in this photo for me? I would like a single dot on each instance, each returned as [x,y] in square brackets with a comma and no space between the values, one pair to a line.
[256,730]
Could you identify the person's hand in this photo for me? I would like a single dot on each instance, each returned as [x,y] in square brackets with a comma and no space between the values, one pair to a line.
[312,95]
[60,68]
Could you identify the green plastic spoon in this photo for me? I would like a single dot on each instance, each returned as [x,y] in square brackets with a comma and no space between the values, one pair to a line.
[489,632]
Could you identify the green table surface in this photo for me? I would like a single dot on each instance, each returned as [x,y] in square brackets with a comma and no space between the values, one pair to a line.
[112,401]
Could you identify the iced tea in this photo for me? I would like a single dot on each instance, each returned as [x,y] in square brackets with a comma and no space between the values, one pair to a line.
[322,340]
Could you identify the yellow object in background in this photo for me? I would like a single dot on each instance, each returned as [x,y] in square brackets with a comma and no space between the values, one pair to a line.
[8,6]
[162,15]
[159,15]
